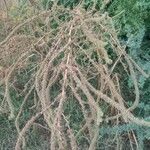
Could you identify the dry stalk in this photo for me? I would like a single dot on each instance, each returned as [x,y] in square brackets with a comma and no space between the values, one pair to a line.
[22,24]
[7,93]
[68,41]
[27,127]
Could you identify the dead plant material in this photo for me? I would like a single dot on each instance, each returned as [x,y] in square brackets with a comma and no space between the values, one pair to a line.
[75,54]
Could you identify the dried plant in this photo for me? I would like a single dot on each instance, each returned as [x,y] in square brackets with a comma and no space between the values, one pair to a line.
[69,55]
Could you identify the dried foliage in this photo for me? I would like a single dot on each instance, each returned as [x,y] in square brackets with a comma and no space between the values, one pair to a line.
[69,51]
